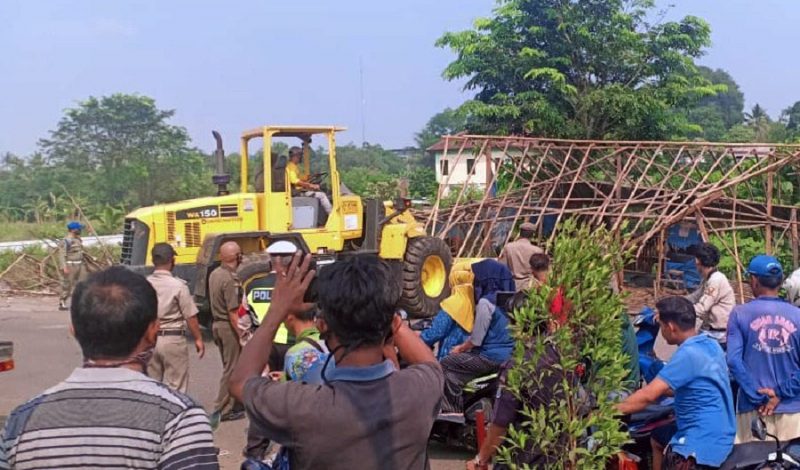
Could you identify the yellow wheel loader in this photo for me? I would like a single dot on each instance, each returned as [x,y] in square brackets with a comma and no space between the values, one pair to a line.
[275,210]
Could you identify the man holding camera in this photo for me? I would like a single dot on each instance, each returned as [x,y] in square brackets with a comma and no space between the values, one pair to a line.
[375,415]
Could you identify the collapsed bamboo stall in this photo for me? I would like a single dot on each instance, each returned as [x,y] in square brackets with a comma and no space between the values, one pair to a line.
[638,189]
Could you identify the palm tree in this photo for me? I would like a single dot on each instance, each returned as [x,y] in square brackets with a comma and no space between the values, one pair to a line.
[759,120]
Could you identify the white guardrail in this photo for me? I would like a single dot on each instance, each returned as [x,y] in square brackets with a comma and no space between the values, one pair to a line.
[88,240]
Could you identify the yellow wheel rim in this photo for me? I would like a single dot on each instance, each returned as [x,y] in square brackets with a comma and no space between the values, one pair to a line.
[434,275]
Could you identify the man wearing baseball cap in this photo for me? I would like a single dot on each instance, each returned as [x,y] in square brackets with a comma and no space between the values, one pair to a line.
[71,258]
[517,255]
[764,355]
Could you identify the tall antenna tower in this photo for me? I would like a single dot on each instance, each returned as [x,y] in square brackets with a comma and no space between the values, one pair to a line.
[363,102]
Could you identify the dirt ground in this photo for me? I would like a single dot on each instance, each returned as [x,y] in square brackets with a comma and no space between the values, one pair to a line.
[45,354]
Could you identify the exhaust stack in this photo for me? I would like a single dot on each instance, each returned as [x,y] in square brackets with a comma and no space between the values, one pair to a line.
[221,179]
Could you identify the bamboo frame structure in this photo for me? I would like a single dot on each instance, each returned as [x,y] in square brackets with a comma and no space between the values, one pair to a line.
[638,189]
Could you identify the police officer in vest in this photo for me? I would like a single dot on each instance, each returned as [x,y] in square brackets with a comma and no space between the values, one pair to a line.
[71,258]
[258,295]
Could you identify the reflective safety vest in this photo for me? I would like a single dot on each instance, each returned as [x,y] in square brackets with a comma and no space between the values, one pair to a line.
[258,295]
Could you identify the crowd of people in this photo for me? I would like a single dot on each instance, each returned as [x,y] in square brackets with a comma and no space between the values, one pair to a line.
[322,384]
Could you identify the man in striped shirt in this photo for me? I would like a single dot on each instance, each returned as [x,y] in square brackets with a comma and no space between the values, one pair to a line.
[108,413]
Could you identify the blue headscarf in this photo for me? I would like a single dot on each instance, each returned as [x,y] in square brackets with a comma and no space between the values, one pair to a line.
[491,277]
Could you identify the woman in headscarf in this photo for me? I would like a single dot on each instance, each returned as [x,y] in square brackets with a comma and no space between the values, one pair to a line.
[490,342]
[453,324]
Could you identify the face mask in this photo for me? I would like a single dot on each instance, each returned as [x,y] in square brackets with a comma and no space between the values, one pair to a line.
[143,359]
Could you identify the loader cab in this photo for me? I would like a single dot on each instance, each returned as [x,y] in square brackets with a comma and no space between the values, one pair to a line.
[283,208]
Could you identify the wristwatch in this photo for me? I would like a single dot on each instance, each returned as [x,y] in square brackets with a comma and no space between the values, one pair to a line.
[480,464]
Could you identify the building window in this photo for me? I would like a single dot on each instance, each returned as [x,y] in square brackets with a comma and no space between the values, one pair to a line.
[470,165]
[445,164]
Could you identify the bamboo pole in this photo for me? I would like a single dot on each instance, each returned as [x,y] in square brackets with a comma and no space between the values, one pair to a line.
[569,192]
[793,223]
[736,255]
[518,166]
[768,227]
[662,240]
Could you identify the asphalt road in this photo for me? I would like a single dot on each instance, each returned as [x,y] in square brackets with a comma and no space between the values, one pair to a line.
[45,354]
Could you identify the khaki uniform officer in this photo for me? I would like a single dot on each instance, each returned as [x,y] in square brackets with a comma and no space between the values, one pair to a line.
[71,257]
[517,256]
[714,299]
[176,311]
[225,297]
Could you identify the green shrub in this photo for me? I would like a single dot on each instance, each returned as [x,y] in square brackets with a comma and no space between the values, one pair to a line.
[584,261]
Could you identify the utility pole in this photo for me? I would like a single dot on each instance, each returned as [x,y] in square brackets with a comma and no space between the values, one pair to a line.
[361,88]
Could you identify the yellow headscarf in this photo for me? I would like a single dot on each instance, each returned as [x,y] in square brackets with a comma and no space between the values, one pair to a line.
[461,303]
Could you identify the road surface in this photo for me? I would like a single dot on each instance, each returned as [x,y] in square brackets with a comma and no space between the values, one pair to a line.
[45,354]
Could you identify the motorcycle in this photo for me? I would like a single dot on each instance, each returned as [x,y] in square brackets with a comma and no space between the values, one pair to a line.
[761,455]
[641,425]
[647,330]
[478,397]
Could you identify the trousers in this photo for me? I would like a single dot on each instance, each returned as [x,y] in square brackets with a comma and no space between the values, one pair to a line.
[170,363]
[673,461]
[322,198]
[784,425]
[228,344]
[458,370]
[75,274]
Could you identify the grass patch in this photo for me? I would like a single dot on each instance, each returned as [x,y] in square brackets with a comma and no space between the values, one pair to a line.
[18,231]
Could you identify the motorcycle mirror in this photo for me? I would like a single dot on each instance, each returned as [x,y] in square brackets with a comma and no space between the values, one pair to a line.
[758,428]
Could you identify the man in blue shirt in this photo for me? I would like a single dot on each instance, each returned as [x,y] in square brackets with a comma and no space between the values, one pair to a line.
[698,378]
[764,355]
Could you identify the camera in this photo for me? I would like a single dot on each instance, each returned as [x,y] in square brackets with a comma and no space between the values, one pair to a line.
[283,251]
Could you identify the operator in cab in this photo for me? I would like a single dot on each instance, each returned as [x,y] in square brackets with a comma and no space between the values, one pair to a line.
[300,182]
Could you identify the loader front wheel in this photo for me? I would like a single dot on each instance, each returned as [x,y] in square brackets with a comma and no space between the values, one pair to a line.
[426,266]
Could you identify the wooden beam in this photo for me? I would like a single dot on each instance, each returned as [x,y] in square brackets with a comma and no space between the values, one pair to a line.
[662,241]
[698,216]
[768,227]
[793,222]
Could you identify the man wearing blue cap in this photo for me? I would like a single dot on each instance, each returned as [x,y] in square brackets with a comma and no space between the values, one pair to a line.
[764,355]
[71,256]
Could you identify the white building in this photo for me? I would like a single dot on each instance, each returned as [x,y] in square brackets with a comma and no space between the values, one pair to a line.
[466,164]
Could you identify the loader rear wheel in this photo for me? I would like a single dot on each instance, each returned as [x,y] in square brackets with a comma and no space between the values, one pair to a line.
[426,266]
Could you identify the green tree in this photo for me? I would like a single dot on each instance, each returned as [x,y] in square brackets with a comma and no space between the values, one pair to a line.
[447,122]
[740,133]
[580,68]
[127,151]
[715,115]
[791,116]
[763,128]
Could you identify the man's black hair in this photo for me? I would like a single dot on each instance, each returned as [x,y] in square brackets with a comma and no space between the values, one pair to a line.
[678,310]
[162,254]
[526,233]
[707,254]
[358,298]
[111,311]
[770,282]
[539,262]
[308,315]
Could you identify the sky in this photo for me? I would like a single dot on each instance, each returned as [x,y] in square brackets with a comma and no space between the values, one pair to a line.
[240,64]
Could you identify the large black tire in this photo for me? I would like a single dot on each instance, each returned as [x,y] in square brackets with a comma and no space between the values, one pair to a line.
[427,263]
